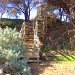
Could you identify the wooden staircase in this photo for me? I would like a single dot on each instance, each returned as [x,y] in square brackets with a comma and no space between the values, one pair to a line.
[40,29]
[28,39]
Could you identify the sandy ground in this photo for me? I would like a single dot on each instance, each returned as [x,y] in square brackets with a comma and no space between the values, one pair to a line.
[53,68]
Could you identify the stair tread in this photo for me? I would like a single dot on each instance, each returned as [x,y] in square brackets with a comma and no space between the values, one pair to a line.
[32,54]
[29,40]
[34,60]
[29,46]
[29,43]
[29,30]
[27,35]
[31,51]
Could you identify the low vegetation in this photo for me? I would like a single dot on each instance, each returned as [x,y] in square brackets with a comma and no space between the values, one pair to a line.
[12,58]
[12,23]
[58,55]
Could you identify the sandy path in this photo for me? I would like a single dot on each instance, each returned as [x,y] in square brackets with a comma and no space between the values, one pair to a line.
[53,68]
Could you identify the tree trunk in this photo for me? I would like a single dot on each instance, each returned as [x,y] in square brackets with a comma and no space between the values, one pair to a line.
[26,15]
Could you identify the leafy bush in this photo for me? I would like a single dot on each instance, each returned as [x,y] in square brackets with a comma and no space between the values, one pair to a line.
[12,52]
[47,50]
[65,44]
[10,23]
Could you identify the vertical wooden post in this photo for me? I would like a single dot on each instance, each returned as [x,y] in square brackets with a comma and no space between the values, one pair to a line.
[23,32]
[1,70]
[36,40]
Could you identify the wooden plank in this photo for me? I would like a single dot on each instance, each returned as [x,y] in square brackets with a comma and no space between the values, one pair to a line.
[32,54]
[30,44]
[29,35]
[34,60]
[29,49]
[29,41]
[30,27]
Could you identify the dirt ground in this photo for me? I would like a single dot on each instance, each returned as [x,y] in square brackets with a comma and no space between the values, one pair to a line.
[53,68]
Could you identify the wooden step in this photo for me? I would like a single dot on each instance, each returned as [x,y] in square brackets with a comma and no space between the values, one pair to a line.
[34,60]
[29,33]
[29,49]
[29,37]
[29,43]
[32,54]
[28,30]
[40,34]
[28,27]
[39,28]
[29,40]
[40,31]
[29,46]
[29,24]
[26,41]
[40,25]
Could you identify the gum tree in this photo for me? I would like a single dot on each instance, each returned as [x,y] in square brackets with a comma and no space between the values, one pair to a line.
[18,6]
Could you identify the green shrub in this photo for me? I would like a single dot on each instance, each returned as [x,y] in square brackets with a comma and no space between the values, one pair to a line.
[12,52]
[66,44]
[47,50]
[12,23]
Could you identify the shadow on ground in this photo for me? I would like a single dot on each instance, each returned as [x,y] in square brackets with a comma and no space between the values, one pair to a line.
[38,69]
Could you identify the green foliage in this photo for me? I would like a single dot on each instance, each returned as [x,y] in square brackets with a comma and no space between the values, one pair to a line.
[12,23]
[65,58]
[65,44]
[46,50]
[12,52]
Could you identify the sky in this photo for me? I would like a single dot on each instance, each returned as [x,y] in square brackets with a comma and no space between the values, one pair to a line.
[33,14]
[65,16]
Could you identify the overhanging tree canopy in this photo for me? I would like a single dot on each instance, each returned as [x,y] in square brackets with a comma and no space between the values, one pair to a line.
[67,5]
[24,6]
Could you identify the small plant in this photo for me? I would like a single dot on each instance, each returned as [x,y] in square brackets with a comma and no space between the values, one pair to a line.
[65,44]
[46,50]
[12,53]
